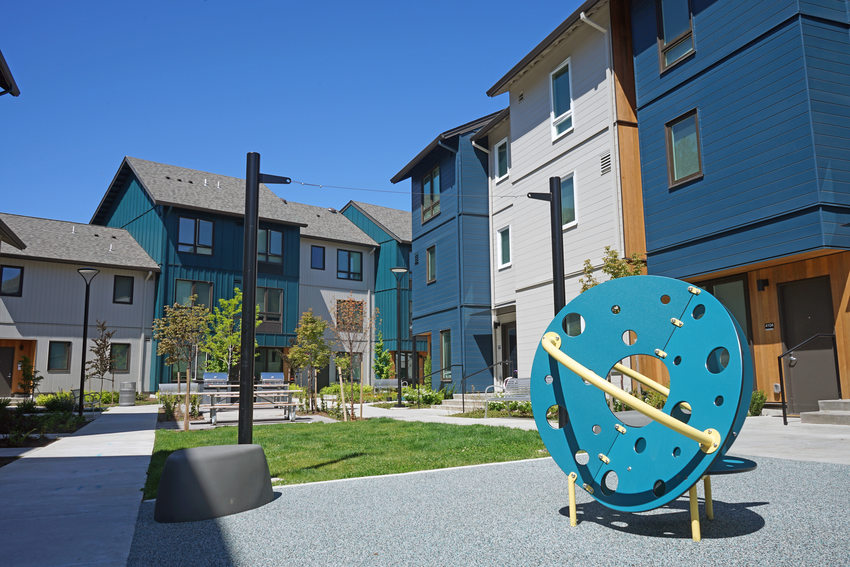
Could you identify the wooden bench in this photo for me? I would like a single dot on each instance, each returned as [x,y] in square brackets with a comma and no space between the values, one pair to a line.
[514,390]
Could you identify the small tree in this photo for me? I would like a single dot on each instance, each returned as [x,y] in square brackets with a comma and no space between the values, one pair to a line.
[101,364]
[30,378]
[353,331]
[383,360]
[180,332]
[223,342]
[613,266]
[426,370]
[310,351]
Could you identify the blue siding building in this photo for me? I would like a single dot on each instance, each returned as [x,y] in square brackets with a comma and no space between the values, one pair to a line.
[190,223]
[451,256]
[391,229]
[744,116]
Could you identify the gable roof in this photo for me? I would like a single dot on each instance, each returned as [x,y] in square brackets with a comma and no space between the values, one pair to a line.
[328,224]
[485,130]
[444,137]
[551,40]
[7,81]
[75,243]
[395,222]
[193,189]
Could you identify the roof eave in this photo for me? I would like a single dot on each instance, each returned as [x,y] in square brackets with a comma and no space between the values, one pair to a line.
[381,225]
[501,85]
[7,81]
[5,254]
[9,237]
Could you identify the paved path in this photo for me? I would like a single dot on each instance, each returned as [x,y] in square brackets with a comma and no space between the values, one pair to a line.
[75,501]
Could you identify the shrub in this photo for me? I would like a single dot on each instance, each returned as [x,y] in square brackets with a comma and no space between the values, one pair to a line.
[65,422]
[58,402]
[169,404]
[757,401]
[351,390]
[18,437]
[25,406]
[4,403]
[423,396]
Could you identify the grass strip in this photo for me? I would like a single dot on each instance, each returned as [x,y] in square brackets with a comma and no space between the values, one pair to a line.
[312,452]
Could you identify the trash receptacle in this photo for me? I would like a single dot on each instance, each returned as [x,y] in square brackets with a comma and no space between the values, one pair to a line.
[127,394]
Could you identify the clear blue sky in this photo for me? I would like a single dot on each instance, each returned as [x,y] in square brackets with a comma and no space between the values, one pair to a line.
[337,93]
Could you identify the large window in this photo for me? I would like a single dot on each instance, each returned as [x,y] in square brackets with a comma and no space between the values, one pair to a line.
[568,201]
[684,162]
[501,159]
[446,355]
[349,265]
[356,367]
[431,194]
[58,356]
[349,315]
[195,236]
[562,100]
[122,289]
[431,264]
[675,31]
[317,257]
[185,289]
[11,280]
[504,244]
[270,304]
[270,246]
[120,357]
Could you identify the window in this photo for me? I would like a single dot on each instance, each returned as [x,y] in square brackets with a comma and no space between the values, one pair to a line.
[675,31]
[58,356]
[195,236]
[683,155]
[446,356]
[431,264]
[122,289]
[349,265]
[270,246]
[562,100]
[356,367]
[185,289]
[501,159]
[349,314]
[317,257]
[431,194]
[11,280]
[568,201]
[120,357]
[270,304]
[504,251]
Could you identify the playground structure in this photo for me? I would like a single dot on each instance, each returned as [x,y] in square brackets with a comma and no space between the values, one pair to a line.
[629,467]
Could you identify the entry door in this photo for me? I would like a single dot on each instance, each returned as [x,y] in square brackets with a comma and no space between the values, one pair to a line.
[805,308]
[7,363]
[509,351]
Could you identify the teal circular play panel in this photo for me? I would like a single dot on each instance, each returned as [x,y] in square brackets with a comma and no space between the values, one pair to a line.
[586,364]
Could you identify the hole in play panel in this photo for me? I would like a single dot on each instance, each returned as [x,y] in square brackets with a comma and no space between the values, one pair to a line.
[610,482]
[582,457]
[552,416]
[573,324]
[632,374]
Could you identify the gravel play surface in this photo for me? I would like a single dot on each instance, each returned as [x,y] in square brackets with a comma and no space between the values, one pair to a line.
[783,513]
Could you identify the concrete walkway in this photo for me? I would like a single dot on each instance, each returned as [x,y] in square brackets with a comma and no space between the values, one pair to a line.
[75,501]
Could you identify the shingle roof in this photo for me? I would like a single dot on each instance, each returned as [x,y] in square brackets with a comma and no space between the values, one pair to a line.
[445,136]
[63,241]
[327,224]
[8,236]
[396,222]
[193,189]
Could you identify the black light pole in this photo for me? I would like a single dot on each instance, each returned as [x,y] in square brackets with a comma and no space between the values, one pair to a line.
[399,273]
[556,227]
[253,178]
[88,275]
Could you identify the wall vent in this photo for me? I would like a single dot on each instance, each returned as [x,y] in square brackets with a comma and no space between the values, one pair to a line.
[605,164]
[416,259]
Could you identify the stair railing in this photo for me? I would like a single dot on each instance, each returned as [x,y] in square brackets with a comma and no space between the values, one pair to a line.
[464,379]
[790,351]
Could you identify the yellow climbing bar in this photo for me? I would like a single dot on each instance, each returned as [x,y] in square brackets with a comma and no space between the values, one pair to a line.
[648,382]
[709,440]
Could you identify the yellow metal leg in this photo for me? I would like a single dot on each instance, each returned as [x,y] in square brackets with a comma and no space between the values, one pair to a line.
[572,488]
[692,493]
[709,504]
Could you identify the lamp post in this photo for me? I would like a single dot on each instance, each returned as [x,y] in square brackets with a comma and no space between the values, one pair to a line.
[88,275]
[399,273]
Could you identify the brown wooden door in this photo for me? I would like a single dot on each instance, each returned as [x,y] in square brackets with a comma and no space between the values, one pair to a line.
[805,308]
[7,363]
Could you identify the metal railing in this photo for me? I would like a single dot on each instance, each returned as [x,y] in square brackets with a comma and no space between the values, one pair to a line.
[791,351]
[465,378]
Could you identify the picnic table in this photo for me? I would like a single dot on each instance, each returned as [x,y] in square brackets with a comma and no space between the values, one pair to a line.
[267,393]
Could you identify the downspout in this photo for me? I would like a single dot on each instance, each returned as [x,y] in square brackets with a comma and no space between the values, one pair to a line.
[615,135]
[460,263]
[140,387]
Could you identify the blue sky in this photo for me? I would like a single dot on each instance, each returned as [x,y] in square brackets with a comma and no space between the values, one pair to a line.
[334,93]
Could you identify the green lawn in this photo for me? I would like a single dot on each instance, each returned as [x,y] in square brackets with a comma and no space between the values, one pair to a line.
[312,452]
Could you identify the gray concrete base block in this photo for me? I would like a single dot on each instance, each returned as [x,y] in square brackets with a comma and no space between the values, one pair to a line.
[209,482]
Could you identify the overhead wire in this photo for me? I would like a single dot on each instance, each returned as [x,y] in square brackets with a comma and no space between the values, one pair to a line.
[396,191]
